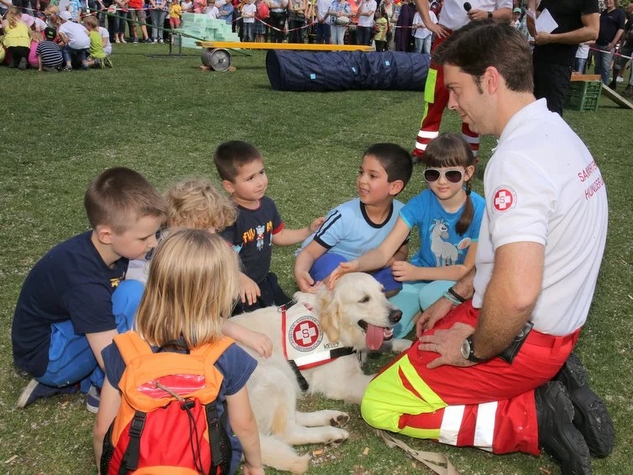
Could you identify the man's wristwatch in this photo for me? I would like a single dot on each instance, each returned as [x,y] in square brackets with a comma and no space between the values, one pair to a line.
[468,351]
[489,15]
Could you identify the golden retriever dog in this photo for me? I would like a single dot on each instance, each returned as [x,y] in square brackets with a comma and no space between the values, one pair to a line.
[356,316]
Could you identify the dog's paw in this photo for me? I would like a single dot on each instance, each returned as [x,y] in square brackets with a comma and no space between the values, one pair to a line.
[300,464]
[341,437]
[340,421]
[399,345]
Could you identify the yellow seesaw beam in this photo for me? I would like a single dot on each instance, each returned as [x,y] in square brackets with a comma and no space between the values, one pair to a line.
[291,46]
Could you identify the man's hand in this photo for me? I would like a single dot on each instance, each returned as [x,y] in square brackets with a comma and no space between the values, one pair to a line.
[316,224]
[249,290]
[403,271]
[448,344]
[342,269]
[306,283]
[543,38]
[432,315]
[437,29]
[477,15]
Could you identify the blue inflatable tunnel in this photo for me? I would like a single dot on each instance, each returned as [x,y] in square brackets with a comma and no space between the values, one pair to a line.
[343,70]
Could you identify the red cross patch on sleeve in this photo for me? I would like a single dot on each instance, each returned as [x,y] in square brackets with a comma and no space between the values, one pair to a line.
[503,199]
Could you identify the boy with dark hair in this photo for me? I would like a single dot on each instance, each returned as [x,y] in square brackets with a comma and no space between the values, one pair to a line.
[258,226]
[359,225]
[49,54]
[64,315]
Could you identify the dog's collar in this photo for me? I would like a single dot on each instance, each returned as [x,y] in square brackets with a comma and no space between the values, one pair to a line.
[304,344]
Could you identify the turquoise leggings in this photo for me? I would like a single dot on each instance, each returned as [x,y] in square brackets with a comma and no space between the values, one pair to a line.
[415,297]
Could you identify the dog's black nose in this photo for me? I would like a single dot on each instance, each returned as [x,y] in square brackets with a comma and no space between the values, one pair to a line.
[395,315]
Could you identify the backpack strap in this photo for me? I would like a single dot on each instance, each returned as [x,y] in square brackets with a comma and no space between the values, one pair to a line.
[213,351]
[218,437]
[131,345]
[129,463]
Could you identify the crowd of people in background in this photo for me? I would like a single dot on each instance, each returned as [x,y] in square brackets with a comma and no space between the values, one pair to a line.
[387,24]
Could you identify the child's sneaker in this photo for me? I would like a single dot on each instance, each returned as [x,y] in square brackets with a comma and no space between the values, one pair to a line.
[35,390]
[92,399]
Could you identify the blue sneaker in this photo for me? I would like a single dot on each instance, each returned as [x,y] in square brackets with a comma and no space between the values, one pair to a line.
[92,399]
[35,390]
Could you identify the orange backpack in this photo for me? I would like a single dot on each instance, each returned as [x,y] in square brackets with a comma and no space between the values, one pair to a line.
[168,419]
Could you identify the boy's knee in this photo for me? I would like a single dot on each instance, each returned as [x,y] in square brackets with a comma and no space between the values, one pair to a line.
[125,301]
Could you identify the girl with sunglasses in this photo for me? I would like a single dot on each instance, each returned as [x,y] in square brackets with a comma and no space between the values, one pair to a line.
[448,216]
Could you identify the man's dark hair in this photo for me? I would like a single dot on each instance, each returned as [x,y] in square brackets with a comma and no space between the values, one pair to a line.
[119,197]
[230,156]
[394,159]
[481,44]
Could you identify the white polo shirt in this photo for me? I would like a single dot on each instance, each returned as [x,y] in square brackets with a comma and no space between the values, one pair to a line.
[453,15]
[77,35]
[368,6]
[542,185]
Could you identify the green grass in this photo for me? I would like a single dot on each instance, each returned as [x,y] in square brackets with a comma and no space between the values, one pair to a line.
[163,117]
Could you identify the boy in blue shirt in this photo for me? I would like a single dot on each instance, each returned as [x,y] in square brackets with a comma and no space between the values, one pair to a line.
[360,225]
[258,225]
[64,315]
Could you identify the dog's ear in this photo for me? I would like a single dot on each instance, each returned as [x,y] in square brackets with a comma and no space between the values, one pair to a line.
[330,314]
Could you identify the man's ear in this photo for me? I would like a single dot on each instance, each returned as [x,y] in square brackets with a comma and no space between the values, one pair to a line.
[491,79]
[228,186]
[104,233]
[396,187]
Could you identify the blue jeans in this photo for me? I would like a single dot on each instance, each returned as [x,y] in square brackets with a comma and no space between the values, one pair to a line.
[120,22]
[579,65]
[322,33]
[338,34]
[74,55]
[329,261]
[158,23]
[247,32]
[363,35]
[603,59]
[70,358]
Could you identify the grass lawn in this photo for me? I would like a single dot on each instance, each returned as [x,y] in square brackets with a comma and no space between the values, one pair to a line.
[163,117]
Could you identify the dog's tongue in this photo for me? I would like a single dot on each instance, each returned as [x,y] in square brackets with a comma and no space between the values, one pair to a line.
[374,336]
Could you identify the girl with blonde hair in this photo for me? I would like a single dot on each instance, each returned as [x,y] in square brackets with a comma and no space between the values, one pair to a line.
[196,203]
[193,203]
[17,38]
[193,281]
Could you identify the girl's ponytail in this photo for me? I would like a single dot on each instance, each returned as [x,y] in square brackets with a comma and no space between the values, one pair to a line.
[467,214]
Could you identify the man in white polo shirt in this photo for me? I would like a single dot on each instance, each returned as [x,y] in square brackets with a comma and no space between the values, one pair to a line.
[487,372]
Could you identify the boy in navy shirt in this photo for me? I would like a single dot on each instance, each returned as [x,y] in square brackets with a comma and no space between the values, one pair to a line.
[64,315]
[258,225]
